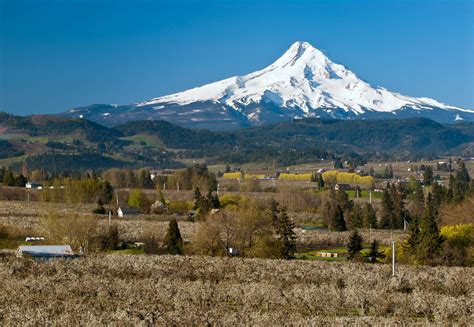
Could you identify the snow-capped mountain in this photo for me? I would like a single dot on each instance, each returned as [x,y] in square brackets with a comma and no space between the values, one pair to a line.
[303,82]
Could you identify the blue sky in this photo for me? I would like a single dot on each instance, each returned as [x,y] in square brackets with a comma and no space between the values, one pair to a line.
[56,55]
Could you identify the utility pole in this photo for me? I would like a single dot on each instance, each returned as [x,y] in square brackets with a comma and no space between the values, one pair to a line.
[393,259]
[370,197]
[177,186]
[110,217]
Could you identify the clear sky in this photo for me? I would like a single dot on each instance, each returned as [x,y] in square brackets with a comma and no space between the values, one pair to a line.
[56,55]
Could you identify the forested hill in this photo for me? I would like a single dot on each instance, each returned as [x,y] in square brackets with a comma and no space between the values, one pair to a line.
[51,141]
[416,135]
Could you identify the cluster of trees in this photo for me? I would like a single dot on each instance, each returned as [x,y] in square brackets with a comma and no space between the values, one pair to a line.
[88,189]
[247,229]
[340,213]
[385,173]
[355,246]
[8,178]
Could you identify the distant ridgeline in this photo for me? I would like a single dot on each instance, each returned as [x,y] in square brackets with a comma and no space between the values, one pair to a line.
[60,144]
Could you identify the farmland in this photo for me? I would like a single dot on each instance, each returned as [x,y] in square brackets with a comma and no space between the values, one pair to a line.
[164,290]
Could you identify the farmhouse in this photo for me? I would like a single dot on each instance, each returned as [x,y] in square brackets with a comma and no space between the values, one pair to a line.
[342,187]
[45,251]
[127,211]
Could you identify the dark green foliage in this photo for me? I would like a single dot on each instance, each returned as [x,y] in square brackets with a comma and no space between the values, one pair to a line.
[374,255]
[173,240]
[369,217]
[7,150]
[286,235]
[460,184]
[338,223]
[354,246]
[387,214]
[110,240]
[430,240]
[355,217]
[20,180]
[8,178]
[58,163]
[100,210]
[428,175]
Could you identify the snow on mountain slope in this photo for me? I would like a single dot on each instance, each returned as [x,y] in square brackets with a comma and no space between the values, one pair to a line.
[305,78]
[303,82]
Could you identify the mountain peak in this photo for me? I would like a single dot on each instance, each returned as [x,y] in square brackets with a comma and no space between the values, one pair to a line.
[303,82]
[301,50]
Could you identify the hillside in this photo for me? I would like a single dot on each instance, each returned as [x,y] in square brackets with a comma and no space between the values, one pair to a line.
[56,143]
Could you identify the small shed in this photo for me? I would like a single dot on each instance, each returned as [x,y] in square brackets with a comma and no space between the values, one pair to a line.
[45,251]
[127,211]
[342,187]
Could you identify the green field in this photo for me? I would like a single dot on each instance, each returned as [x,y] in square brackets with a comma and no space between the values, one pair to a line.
[149,140]
[364,194]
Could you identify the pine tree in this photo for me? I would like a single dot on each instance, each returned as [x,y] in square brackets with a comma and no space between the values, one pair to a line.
[320,182]
[355,217]
[354,246]
[374,254]
[369,217]
[387,216]
[428,175]
[197,198]
[173,240]
[413,238]
[342,199]
[274,211]
[338,223]
[216,203]
[286,235]
[461,187]
[430,240]
[417,200]
[8,178]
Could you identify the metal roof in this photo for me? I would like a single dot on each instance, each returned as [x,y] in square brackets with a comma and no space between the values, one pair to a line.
[46,250]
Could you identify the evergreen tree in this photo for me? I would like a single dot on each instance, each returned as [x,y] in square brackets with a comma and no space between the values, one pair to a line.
[387,216]
[400,214]
[320,181]
[355,217]
[173,240]
[369,217]
[430,240]
[274,211]
[216,203]
[338,223]
[374,254]
[8,178]
[413,238]
[428,175]
[342,199]
[461,184]
[354,246]
[20,181]
[197,198]
[286,235]
[417,199]
[439,194]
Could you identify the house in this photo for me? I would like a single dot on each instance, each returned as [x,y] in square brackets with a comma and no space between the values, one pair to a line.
[342,187]
[127,211]
[45,251]
[32,184]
